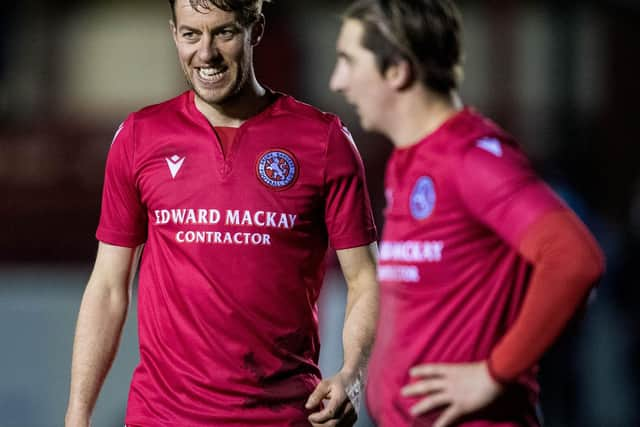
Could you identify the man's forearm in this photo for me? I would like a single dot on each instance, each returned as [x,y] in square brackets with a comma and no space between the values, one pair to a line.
[359,330]
[357,336]
[567,263]
[100,321]
[361,315]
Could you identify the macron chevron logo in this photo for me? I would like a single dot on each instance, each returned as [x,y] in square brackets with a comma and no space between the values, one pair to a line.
[175,163]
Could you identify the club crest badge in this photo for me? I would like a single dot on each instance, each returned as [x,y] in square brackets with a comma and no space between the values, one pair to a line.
[277,169]
[423,198]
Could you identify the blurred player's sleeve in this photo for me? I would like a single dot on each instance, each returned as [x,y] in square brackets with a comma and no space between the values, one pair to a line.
[501,190]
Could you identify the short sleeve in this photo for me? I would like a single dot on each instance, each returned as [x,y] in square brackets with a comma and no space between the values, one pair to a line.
[348,215]
[122,217]
[501,189]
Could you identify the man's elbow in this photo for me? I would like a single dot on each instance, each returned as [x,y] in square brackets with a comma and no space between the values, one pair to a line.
[590,265]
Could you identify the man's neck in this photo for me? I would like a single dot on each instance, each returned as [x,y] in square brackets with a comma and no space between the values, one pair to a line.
[251,100]
[418,113]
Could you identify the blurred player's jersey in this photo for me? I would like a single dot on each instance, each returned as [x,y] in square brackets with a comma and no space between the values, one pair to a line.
[451,279]
[234,256]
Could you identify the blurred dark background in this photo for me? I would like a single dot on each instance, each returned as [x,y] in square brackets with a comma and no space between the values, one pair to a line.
[563,77]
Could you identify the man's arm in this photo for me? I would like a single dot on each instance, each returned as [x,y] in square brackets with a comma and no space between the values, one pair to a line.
[567,262]
[102,315]
[503,192]
[342,391]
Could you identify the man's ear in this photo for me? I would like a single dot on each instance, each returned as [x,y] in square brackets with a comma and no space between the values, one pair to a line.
[399,74]
[257,30]
[174,30]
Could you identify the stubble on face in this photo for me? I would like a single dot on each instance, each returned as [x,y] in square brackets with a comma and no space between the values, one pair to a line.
[215,52]
[239,76]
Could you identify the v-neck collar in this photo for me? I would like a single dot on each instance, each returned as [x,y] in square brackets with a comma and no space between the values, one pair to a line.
[225,162]
[199,116]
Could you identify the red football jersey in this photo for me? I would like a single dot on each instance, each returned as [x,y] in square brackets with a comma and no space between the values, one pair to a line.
[234,256]
[451,279]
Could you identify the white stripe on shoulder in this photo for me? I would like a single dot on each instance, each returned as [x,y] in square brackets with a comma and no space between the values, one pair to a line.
[117,132]
[492,145]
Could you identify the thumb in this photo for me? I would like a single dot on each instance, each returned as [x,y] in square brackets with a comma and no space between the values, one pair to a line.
[318,395]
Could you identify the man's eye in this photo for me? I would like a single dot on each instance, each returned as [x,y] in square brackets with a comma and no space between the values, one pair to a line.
[226,34]
[188,35]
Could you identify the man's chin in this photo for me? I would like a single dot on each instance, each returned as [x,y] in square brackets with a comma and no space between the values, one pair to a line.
[213,97]
[365,125]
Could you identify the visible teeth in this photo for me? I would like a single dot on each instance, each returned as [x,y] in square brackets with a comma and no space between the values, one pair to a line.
[210,73]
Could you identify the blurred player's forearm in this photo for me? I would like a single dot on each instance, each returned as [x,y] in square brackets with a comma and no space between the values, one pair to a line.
[567,263]
[100,321]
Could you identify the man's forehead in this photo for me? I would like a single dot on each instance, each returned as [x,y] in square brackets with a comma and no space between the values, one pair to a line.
[351,34]
[198,6]
[199,9]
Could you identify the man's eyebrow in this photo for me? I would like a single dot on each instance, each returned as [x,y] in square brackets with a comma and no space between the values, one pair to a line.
[187,28]
[230,24]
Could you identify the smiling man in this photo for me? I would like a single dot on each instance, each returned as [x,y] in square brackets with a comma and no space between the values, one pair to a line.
[235,192]
[481,266]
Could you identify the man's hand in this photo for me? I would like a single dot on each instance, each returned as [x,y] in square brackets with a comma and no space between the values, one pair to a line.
[334,406]
[458,388]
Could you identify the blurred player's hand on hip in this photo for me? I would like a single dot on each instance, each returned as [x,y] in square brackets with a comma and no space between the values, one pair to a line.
[334,408]
[458,388]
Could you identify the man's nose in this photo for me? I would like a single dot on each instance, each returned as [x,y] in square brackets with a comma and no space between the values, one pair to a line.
[337,80]
[207,49]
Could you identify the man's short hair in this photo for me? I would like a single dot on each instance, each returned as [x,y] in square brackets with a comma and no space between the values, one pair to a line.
[247,11]
[427,33]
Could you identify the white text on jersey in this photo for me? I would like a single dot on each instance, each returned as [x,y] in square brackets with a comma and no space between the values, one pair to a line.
[228,217]
[411,251]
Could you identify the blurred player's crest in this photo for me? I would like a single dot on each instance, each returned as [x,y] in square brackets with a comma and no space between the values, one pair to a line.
[423,198]
[277,169]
